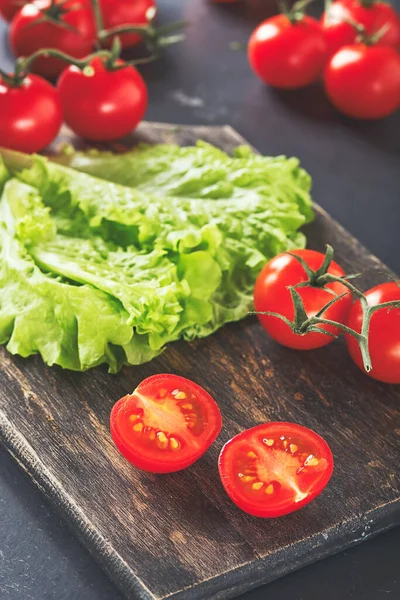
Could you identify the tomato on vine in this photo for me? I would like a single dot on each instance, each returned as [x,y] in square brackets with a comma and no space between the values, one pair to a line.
[288,51]
[120,13]
[363,81]
[271,294]
[65,25]
[372,15]
[383,335]
[102,102]
[30,114]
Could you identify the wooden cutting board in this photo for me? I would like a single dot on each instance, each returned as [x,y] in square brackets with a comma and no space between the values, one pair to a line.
[179,536]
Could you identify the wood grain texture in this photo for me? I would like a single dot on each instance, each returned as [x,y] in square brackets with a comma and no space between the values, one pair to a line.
[178,536]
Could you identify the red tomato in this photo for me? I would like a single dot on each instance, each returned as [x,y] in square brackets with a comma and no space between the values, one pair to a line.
[384,334]
[102,105]
[30,114]
[271,295]
[28,33]
[364,81]
[339,32]
[9,8]
[127,12]
[287,55]
[166,424]
[274,469]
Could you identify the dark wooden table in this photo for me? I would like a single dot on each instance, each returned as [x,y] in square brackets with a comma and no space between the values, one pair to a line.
[355,167]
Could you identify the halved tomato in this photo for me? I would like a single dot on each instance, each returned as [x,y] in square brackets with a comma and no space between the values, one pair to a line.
[166,424]
[274,469]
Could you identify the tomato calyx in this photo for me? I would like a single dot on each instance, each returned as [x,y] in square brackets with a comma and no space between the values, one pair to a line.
[296,13]
[54,14]
[302,324]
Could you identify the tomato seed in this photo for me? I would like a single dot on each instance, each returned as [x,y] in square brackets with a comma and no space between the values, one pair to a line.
[293,448]
[312,462]
[180,396]
[162,440]
[138,426]
[251,454]
[174,443]
[187,406]
[270,489]
[269,442]
[257,486]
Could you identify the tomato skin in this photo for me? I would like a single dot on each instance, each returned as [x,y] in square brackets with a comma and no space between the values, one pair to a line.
[102,105]
[117,13]
[155,392]
[27,34]
[284,470]
[287,56]
[9,8]
[339,32]
[271,295]
[384,334]
[30,115]
[364,81]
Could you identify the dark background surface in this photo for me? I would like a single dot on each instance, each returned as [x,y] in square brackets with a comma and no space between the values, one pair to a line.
[356,171]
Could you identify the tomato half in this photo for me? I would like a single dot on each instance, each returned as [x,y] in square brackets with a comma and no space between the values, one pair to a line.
[166,424]
[384,334]
[287,55]
[274,469]
[271,295]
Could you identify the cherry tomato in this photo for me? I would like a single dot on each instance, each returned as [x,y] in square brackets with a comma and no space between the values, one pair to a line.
[271,295]
[384,334]
[287,55]
[9,8]
[30,114]
[117,13]
[166,424]
[339,32]
[364,81]
[102,105]
[29,33]
[274,469]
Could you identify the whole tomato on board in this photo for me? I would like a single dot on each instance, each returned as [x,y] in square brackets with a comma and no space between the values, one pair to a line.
[274,469]
[166,424]
[372,15]
[30,114]
[9,8]
[117,13]
[288,53]
[271,294]
[102,104]
[69,27]
[363,81]
[384,334]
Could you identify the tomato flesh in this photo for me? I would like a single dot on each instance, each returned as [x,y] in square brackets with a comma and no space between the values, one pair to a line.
[166,424]
[275,468]
[271,294]
[384,334]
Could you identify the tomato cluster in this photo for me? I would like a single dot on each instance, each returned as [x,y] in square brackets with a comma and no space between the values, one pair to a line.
[97,95]
[270,470]
[325,296]
[354,48]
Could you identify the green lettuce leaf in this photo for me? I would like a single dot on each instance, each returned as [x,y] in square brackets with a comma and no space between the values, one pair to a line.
[118,271]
